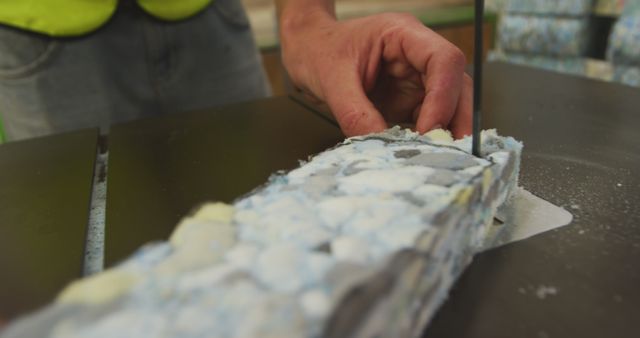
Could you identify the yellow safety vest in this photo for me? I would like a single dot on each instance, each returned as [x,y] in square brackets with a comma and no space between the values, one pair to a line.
[78,17]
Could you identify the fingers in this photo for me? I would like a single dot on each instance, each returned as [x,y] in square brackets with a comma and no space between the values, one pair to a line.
[442,65]
[443,85]
[434,95]
[461,124]
[345,96]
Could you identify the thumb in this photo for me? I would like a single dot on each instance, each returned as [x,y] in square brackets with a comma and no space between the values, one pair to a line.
[350,105]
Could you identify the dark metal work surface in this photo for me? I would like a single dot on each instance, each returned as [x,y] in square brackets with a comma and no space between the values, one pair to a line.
[159,169]
[582,152]
[45,189]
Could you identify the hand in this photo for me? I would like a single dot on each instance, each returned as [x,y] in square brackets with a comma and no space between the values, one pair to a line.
[379,69]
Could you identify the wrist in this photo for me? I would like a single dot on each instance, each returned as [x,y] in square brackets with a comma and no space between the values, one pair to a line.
[298,17]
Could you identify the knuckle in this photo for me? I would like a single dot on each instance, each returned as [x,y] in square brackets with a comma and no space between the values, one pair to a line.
[394,17]
[398,21]
[404,17]
[457,57]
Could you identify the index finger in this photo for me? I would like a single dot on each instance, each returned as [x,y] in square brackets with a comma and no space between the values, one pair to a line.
[442,67]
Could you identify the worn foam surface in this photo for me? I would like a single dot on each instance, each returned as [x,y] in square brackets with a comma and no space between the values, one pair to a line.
[551,36]
[363,240]
[550,7]
[624,41]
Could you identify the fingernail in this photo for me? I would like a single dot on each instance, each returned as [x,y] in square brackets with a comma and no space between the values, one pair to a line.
[437,126]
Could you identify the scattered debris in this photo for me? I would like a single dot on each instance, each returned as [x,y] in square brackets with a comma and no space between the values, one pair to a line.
[543,291]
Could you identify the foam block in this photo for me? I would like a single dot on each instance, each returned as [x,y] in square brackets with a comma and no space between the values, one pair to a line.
[363,240]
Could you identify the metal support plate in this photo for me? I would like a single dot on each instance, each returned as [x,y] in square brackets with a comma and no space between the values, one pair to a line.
[45,189]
